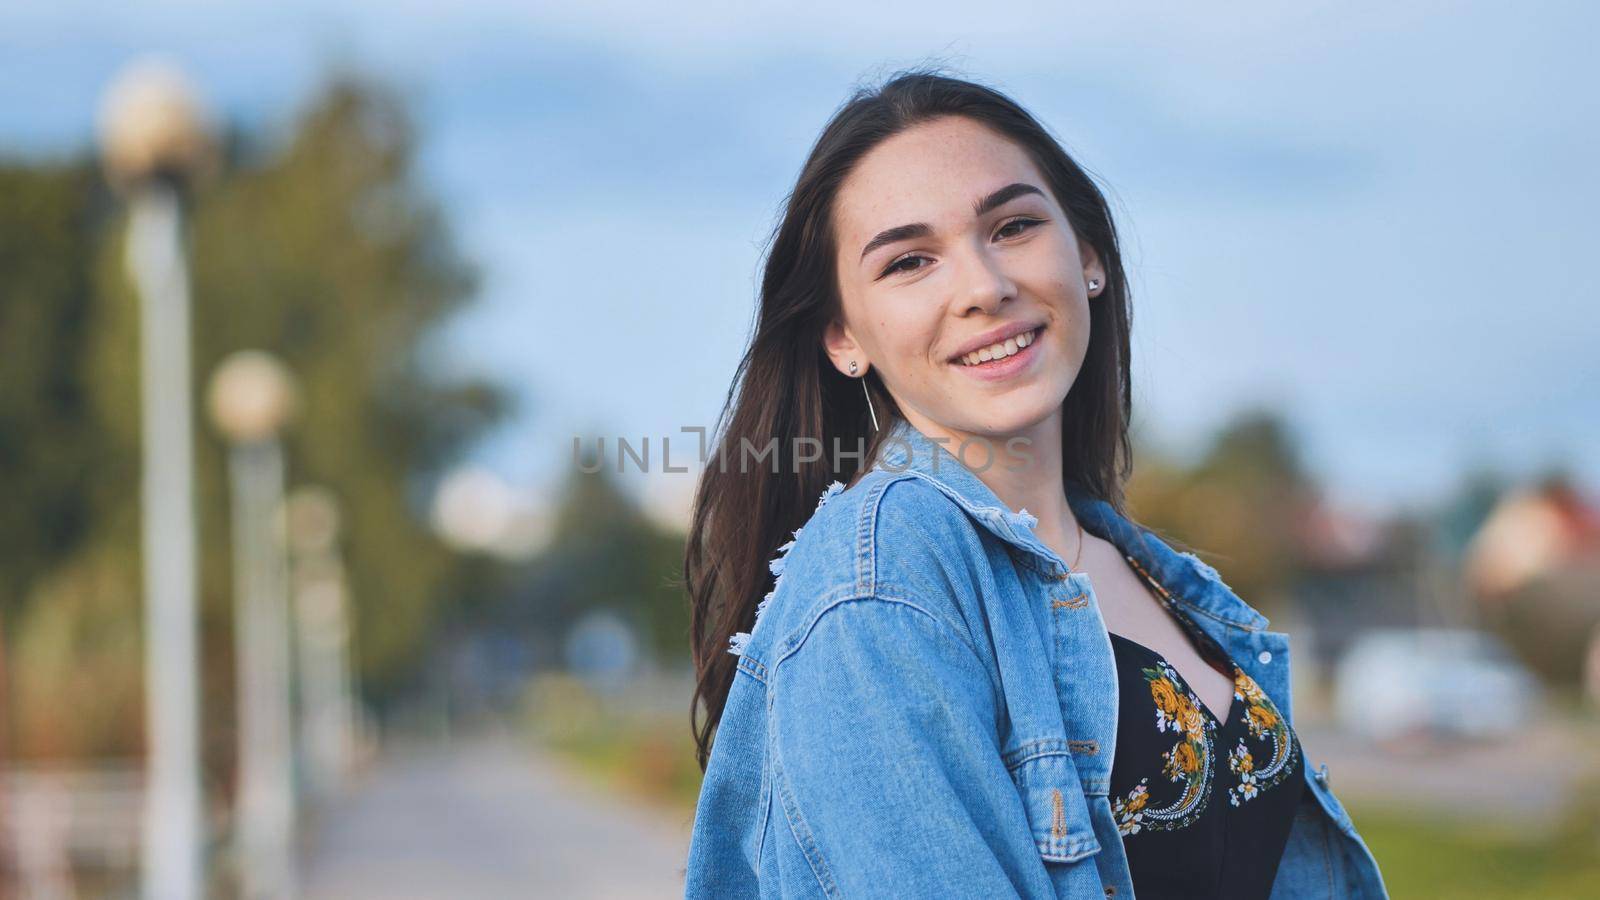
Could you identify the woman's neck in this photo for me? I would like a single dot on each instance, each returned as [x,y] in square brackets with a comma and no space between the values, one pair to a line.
[1024,474]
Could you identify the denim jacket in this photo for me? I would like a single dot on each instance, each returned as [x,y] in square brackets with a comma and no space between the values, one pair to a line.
[927,706]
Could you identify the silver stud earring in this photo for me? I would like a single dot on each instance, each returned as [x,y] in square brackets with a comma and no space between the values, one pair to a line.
[868,394]
[1094,284]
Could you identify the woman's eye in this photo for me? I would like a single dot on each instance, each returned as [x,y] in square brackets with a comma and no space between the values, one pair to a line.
[899,265]
[1023,223]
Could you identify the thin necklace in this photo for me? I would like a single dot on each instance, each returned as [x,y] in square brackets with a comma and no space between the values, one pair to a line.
[1080,544]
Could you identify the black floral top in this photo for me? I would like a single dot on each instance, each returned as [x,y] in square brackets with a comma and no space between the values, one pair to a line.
[1204,806]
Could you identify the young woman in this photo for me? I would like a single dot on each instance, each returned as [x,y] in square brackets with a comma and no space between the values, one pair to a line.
[968,673]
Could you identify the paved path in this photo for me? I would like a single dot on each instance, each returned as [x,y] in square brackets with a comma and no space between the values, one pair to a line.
[489,818]
[1526,781]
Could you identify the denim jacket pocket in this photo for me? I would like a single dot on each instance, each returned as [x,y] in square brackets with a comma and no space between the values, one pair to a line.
[1058,814]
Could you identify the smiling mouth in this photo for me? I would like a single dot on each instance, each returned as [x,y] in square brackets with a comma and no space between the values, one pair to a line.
[1002,350]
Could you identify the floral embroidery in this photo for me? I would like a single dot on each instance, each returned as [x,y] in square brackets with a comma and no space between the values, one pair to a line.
[1261,758]
[1130,810]
[1242,764]
[1189,762]
[1263,721]
[1168,782]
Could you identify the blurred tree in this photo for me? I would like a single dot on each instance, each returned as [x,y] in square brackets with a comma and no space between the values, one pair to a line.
[325,250]
[334,256]
[1236,507]
[606,554]
[49,438]
[52,443]
[1549,621]
[1470,501]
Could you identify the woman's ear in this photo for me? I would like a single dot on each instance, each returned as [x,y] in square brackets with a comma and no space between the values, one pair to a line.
[842,349]
[1093,270]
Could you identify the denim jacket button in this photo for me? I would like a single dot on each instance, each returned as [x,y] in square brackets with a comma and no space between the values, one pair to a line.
[1265,657]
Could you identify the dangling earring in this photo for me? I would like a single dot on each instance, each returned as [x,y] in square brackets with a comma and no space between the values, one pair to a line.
[868,395]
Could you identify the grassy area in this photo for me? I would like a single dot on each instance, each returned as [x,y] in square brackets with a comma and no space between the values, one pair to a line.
[646,756]
[1427,858]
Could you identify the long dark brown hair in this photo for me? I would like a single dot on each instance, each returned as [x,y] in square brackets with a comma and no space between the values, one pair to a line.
[786,389]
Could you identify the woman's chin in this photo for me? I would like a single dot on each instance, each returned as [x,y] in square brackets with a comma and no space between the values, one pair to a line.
[1015,422]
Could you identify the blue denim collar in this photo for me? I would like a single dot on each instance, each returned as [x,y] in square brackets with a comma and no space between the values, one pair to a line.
[906,449]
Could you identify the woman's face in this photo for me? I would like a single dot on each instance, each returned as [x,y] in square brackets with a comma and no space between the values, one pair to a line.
[949,240]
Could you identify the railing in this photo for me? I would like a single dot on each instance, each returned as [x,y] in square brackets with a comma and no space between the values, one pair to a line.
[60,826]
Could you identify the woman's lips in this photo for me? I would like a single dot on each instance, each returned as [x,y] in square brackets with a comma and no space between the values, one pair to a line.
[1010,366]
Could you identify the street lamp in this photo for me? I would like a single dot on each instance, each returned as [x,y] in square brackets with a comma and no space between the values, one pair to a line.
[474,511]
[323,637]
[251,398]
[153,141]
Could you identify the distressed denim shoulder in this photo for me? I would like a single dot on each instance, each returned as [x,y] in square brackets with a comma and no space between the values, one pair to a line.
[891,537]
[926,706]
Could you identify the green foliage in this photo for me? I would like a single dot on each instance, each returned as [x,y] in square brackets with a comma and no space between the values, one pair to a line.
[1473,860]
[645,754]
[49,438]
[606,554]
[326,251]
[332,256]
[1236,506]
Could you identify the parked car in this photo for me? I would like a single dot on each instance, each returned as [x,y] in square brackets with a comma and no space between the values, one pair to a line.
[1441,682]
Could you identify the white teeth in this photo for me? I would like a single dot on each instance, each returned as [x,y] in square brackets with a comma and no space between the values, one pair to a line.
[1001,350]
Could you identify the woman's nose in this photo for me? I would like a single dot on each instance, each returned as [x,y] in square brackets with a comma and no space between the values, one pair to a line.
[985,285]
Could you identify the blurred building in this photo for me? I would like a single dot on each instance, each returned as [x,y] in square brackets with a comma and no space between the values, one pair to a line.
[1532,533]
[1359,572]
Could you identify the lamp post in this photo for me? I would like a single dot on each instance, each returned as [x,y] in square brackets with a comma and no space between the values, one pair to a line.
[251,398]
[323,637]
[153,142]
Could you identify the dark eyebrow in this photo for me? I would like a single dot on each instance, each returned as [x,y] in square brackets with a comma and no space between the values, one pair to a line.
[1001,197]
[898,233]
[922,229]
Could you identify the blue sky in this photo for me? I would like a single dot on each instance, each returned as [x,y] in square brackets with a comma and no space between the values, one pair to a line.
[1376,219]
